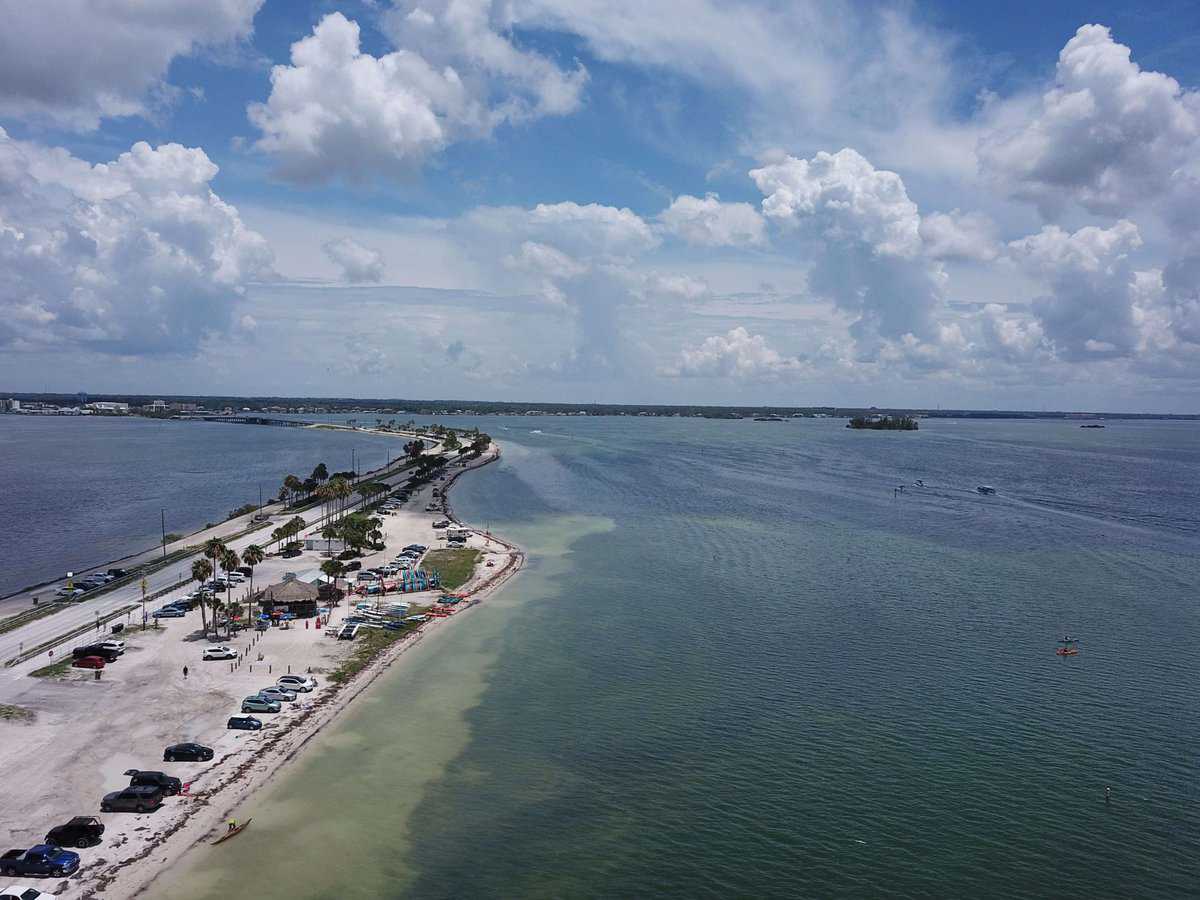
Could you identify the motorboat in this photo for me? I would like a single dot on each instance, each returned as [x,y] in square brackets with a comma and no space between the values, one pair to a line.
[986,489]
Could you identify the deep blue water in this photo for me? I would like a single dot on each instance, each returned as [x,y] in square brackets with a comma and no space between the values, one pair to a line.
[80,491]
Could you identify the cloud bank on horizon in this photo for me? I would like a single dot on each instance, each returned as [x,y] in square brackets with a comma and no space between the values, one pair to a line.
[568,199]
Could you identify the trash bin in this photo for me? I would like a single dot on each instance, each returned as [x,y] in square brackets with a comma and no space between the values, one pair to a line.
[118,628]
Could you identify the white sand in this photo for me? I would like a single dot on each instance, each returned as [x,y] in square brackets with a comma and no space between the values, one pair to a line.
[88,733]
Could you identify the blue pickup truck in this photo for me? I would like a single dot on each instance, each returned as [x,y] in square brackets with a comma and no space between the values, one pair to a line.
[45,860]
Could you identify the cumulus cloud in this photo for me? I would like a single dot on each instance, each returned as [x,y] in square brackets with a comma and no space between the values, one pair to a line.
[710,223]
[136,256]
[736,354]
[869,259]
[1107,134]
[337,111]
[1088,312]
[846,196]
[959,236]
[359,264]
[74,62]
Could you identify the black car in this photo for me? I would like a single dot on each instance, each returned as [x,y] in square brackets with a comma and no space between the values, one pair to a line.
[168,784]
[143,798]
[117,573]
[187,752]
[81,831]
[108,654]
[244,723]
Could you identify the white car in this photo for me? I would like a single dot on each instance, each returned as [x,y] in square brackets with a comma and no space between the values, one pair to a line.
[221,652]
[301,683]
[24,892]
[118,646]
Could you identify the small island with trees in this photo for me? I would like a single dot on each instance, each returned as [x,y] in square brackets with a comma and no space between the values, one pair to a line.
[884,423]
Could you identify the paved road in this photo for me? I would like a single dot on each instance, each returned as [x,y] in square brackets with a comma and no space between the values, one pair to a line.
[87,611]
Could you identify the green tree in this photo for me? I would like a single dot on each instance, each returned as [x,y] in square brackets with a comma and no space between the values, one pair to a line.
[451,442]
[332,568]
[251,557]
[320,474]
[202,570]
[229,561]
[293,486]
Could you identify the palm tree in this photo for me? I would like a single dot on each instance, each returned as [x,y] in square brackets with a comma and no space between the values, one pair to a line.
[329,532]
[293,485]
[213,548]
[332,568]
[229,561]
[320,474]
[251,557]
[202,571]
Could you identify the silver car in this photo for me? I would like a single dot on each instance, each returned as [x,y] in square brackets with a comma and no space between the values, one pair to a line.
[259,704]
[278,694]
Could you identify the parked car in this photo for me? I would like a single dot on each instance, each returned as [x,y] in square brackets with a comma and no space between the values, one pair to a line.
[300,683]
[168,784]
[81,831]
[220,652]
[25,892]
[116,646]
[142,799]
[244,723]
[89,662]
[68,592]
[245,570]
[278,694]
[353,566]
[168,612]
[96,650]
[44,860]
[187,752]
[260,705]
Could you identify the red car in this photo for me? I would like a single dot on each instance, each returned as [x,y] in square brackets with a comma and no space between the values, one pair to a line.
[89,662]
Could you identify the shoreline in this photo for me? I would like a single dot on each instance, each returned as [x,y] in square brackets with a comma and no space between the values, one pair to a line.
[250,768]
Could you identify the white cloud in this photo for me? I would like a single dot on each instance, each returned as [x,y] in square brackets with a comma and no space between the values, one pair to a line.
[359,264]
[848,198]
[1107,135]
[74,62]
[136,256]
[869,256]
[336,111]
[959,236]
[710,223]
[737,354]
[1088,312]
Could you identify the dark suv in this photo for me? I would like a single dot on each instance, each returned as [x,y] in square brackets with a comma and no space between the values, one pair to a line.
[81,831]
[168,784]
[145,798]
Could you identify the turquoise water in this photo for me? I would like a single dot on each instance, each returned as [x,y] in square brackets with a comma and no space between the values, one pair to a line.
[741,666]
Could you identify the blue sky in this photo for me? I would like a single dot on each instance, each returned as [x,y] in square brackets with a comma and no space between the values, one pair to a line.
[690,201]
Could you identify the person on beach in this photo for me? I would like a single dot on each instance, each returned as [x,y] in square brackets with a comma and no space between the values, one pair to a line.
[185,673]
[232,825]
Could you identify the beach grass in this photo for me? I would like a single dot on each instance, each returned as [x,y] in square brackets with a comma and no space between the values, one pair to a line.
[55,670]
[455,567]
[10,713]
[366,648]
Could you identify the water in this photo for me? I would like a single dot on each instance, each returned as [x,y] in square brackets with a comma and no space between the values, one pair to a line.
[739,667]
[82,491]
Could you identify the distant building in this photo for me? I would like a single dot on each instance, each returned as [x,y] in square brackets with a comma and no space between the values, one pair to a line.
[185,407]
[108,406]
[157,406]
[12,405]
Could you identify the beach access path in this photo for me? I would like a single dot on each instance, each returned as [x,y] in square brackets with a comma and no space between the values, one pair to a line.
[87,733]
[87,612]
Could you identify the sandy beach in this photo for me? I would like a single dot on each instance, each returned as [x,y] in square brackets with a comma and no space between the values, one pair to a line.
[87,733]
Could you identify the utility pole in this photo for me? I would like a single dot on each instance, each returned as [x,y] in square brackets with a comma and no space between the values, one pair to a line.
[162,514]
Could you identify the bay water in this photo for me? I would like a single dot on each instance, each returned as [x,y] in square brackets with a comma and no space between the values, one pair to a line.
[743,663]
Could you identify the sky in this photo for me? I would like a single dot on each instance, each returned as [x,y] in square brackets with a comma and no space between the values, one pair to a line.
[685,201]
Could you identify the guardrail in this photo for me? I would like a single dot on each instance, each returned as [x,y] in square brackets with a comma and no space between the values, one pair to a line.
[63,638]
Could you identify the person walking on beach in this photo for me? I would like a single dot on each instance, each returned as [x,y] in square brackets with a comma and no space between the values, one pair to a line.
[185,673]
